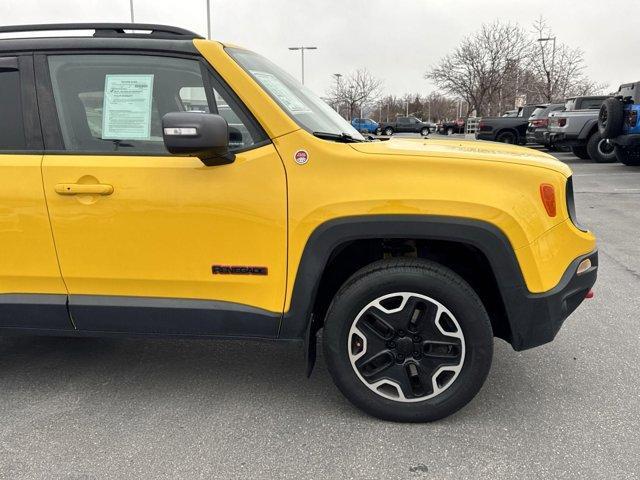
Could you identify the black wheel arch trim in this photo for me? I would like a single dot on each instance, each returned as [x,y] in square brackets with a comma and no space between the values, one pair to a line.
[486,237]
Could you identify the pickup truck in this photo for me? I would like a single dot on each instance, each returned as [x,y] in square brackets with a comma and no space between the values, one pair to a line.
[506,129]
[451,127]
[407,125]
[577,127]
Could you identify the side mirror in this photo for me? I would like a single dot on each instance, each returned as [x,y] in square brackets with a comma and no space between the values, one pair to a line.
[202,135]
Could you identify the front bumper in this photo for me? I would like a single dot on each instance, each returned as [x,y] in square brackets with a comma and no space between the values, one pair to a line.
[536,318]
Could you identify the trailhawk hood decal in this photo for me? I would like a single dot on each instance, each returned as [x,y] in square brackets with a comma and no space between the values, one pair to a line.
[464,149]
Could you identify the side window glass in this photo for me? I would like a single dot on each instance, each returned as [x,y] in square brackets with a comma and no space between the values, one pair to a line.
[242,134]
[12,135]
[108,103]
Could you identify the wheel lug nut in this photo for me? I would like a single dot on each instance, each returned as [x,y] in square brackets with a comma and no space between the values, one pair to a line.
[400,357]
[417,354]
[391,344]
[401,333]
[417,338]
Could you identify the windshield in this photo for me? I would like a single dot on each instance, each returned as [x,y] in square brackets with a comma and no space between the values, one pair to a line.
[305,107]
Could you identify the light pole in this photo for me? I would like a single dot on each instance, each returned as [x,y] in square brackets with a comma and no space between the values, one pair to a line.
[302,49]
[338,90]
[553,61]
[208,19]
[131,10]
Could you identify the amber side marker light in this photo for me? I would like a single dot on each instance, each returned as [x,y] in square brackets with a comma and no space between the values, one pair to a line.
[548,195]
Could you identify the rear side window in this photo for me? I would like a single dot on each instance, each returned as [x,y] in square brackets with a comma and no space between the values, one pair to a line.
[12,135]
[590,104]
[108,103]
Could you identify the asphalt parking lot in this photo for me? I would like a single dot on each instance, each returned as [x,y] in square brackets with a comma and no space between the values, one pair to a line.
[125,408]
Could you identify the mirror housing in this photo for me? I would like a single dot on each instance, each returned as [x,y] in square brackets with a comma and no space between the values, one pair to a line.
[202,135]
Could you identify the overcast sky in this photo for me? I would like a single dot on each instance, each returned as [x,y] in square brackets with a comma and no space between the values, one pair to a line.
[395,39]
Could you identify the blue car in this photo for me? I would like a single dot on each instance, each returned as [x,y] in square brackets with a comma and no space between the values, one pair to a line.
[619,122]
[365,125]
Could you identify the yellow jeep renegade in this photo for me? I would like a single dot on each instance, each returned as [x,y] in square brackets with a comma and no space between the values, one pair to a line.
[161,184]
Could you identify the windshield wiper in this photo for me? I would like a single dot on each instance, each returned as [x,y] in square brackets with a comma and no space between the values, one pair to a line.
[337,137]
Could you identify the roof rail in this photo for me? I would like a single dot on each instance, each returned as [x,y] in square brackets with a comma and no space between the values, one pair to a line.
[109,30]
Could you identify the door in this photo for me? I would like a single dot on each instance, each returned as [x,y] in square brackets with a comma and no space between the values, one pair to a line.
[150,242]
[403,124]
[32,294]
[414,124]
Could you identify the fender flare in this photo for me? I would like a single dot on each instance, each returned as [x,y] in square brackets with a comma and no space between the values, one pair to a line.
[588,128]
[297,322]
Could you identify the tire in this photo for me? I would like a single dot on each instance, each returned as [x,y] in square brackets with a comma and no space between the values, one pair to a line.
[581,152]
[449,131]
[600,150]
[507,137]
[424,132]
[388,131]
[628,156]
[378,131]
[610,118]
[419,289]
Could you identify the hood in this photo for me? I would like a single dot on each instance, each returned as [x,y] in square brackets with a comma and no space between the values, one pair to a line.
[472,150]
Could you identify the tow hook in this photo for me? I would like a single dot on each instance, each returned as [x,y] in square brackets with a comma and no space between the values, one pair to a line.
[589,294]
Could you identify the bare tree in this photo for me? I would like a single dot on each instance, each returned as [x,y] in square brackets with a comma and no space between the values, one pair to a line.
[557,69]
[477,68]
[500,66]
[358,91]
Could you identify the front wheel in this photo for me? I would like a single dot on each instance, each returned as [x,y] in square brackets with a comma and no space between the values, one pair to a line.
[408,340]
[424,132]
[388,131]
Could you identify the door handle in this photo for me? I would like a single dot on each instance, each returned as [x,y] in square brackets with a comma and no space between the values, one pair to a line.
[84,189]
